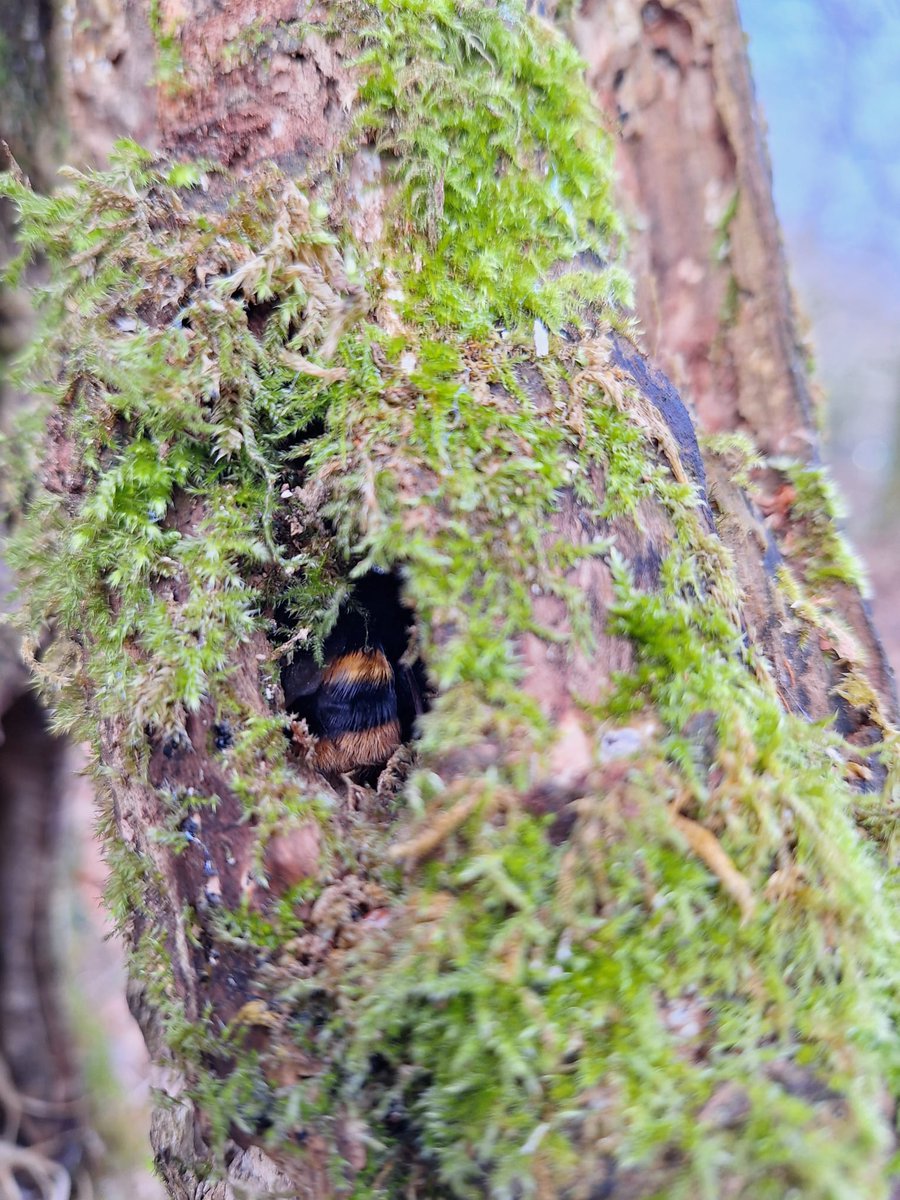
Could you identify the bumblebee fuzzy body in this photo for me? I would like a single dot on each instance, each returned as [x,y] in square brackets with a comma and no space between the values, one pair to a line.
[356,712]
[362,702]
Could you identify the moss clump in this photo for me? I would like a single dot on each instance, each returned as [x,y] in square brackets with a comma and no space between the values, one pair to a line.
[158,412]
[738,451]
[542,987]
[816,538]
[503,170]
[244,434]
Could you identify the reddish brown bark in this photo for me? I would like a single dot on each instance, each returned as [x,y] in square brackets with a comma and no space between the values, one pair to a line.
[238,107]
[712,286]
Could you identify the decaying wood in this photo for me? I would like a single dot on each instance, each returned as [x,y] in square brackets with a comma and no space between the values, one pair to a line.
[290,106]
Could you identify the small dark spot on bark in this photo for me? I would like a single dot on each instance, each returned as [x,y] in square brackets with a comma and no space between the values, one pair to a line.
[605,1188]
[800,1082]
[646,566]
[380,1069]
[847,719]
[263,1123]
[549,799]
[661,54]
[223,735]
[397,1116]
[702,731]
[258,313]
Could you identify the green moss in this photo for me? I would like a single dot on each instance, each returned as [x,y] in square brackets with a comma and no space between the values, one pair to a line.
[503,170]
[169,72]
[738,451]
[722,242]
[523,1008]
[817,540]
[551,973]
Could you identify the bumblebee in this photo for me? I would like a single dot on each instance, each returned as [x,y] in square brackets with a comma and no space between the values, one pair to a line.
[362,701]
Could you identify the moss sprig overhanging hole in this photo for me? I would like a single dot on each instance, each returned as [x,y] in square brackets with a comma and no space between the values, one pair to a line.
[526,986]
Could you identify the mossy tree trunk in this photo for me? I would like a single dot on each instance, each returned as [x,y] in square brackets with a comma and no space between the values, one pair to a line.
[625,926]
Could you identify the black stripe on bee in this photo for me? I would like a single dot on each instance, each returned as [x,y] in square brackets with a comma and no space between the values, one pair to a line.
[345,705]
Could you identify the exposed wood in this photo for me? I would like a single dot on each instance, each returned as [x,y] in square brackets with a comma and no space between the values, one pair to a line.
[238,107]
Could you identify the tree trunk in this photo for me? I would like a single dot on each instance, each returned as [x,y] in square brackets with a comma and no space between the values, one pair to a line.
[711,280]
[69,79]
[713,295]
[43,1133]
[619,923]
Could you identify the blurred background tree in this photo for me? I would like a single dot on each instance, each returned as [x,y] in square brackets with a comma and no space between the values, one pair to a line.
[74,1075]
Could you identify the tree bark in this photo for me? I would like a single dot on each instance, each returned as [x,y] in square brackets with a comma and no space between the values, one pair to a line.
[624,929]
[712,289]
[712,285]
[109,88]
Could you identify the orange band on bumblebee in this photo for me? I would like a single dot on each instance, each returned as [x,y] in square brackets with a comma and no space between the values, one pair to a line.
[359,666]
[362,748]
